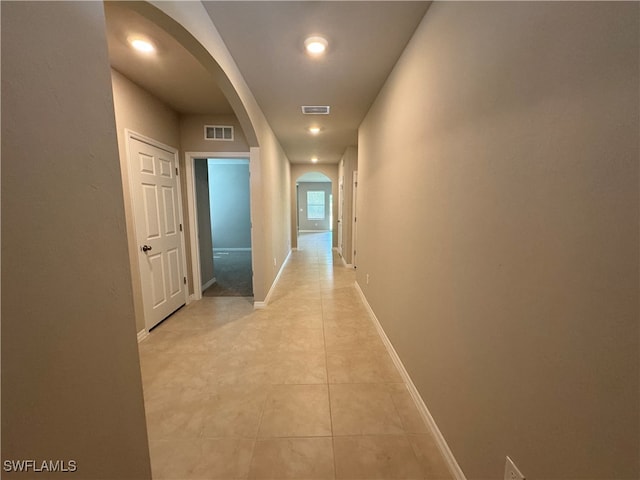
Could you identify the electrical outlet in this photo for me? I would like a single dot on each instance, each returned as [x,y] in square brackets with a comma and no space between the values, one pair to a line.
[511,472]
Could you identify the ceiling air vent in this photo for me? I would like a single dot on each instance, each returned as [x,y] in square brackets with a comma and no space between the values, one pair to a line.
[316,109]
[218,132]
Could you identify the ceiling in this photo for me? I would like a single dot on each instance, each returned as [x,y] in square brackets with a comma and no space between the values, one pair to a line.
[266,40]
[172,74]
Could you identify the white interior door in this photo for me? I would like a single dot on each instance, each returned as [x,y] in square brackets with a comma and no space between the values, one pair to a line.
[158,218]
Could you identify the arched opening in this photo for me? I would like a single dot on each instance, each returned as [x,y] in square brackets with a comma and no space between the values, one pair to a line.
[203,56]
[153,98]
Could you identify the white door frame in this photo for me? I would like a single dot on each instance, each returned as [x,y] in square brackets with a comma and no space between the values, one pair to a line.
[192,211]
[132,135]
[340,215]
[354,228]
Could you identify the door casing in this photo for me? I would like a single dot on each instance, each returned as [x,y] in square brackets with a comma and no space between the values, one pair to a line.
[354,228]
[192,214]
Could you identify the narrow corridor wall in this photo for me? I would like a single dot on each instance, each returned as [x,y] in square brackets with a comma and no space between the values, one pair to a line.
[71,385]
[498,226]
[203,207]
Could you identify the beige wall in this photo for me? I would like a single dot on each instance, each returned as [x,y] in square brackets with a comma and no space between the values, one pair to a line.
[141,112]
[192,134]
[269,211]
[498,222]
[71,386]
[297,170]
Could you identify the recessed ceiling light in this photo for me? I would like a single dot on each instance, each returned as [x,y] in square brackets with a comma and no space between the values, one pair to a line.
[316,45]
[314,130]
[141,45]
[314,160]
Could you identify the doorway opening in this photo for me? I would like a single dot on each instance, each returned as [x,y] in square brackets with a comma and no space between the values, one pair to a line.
[314,200]
[223,210]
[218,195]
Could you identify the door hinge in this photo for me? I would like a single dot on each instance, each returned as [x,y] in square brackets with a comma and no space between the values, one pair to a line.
[180,227]
[184,280]
[177,171]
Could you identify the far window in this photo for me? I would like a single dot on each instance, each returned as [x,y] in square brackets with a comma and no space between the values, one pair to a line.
[315,205]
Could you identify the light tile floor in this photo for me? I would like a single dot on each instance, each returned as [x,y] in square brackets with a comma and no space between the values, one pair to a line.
[303,389]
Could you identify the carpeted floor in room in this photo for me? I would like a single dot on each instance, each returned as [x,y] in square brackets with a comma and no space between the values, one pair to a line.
[232,270]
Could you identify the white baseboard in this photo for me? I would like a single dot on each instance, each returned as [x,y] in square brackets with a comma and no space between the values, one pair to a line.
[142,334]
[454,468]
[258,305]
[208,284]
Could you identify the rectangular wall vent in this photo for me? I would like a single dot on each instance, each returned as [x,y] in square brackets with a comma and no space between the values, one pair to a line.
[316,109]
[218,132]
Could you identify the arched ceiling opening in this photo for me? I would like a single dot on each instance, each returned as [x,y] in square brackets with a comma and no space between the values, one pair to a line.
[182,73]
[316,177]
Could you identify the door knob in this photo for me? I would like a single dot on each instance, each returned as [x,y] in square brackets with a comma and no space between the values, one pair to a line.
[145,248]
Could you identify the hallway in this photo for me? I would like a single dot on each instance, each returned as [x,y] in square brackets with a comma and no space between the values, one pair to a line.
[303,389]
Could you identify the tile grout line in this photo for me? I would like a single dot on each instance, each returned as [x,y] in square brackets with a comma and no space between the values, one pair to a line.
[264,407]
[326,366]
[405,431]
[333,436]
[322,280]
